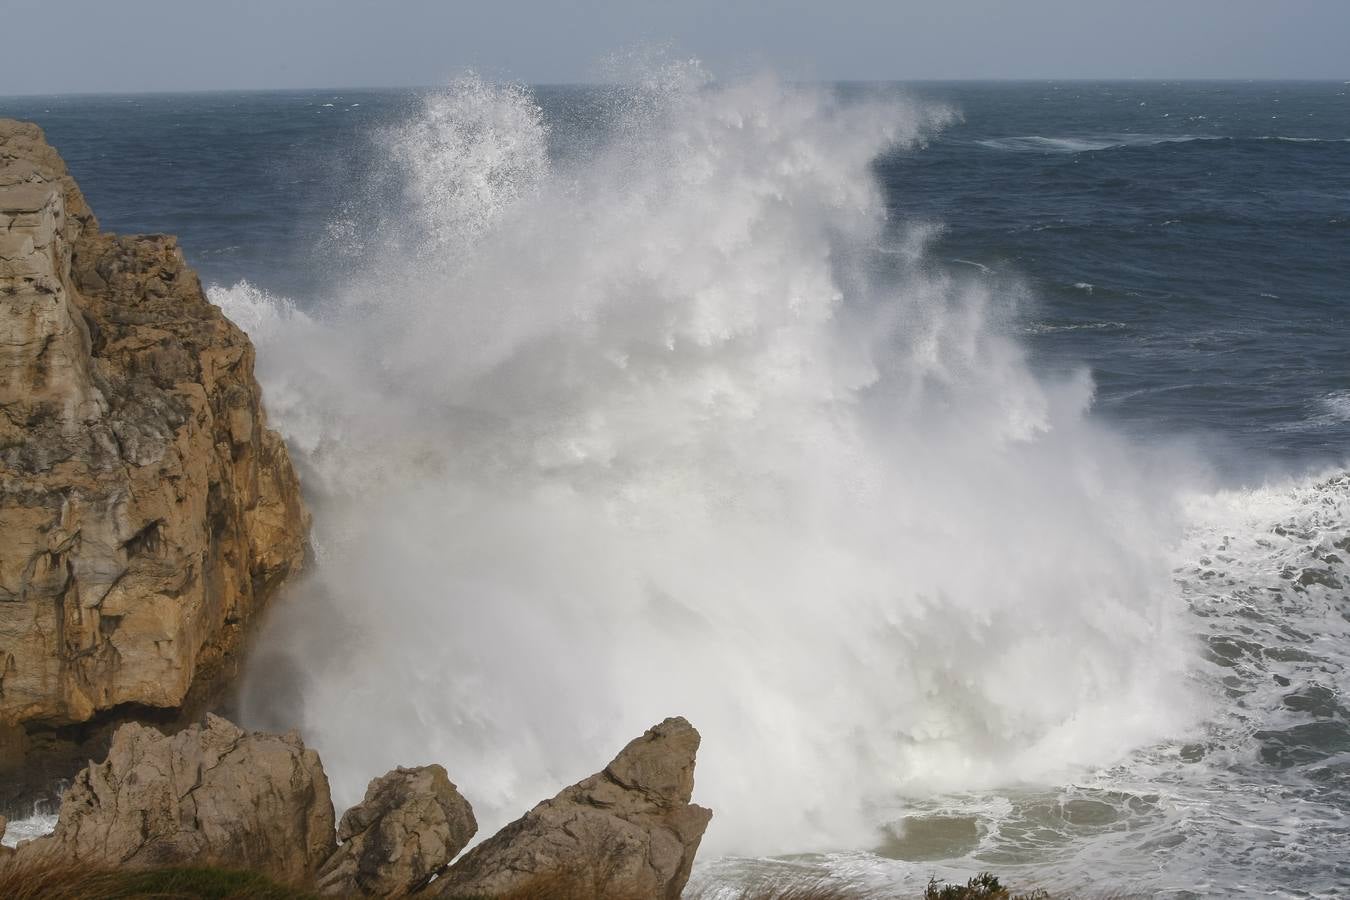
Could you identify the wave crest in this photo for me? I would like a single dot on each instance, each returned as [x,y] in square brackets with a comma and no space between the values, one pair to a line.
[660,430]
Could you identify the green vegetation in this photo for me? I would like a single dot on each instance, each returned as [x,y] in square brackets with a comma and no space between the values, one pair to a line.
[982,887]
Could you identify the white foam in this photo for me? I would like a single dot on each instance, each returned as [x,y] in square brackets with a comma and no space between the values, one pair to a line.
[594,443]
[1208,816]
[1041,144]
[1053,327]
[26,829]
[1336,406]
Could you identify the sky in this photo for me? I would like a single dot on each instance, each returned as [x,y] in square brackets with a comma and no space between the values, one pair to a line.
[167,45]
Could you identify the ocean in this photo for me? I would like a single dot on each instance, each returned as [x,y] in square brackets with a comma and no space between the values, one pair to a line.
[967,461]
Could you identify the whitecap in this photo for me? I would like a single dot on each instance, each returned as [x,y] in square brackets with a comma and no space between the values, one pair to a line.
[1083,144]
[970,262]
[640,432]
[1336,406]
[1055,327]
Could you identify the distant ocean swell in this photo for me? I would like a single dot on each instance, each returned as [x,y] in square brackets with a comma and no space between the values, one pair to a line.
[1040,144]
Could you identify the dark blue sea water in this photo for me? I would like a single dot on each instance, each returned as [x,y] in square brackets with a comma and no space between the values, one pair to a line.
[582,466]
[1188,241]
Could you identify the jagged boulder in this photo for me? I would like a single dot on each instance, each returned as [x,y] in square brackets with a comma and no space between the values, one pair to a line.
[629,831]
[408,828]
[211,794]
[147,513]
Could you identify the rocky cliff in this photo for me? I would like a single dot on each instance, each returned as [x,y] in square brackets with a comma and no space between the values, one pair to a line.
[147,513]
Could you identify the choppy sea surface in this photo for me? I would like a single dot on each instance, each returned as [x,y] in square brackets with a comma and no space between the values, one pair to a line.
[968,461]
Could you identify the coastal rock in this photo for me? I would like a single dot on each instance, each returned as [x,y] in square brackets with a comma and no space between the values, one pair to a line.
[408,828]
[629,831]
[147,513]
[208,795]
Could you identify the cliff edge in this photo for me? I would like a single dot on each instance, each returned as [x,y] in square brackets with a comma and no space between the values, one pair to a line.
[147,513]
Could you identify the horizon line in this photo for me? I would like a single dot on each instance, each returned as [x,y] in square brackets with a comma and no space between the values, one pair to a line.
[594,84]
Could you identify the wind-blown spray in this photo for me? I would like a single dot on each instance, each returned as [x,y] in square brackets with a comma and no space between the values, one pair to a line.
[688,424]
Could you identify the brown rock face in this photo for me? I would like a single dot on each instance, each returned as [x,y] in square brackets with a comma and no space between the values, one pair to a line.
[209,795]
[146,511]
[409,827]
[627,832]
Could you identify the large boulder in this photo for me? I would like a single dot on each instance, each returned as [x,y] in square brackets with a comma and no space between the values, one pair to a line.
[147,513]
[629,831]
[408,828]
[208,795]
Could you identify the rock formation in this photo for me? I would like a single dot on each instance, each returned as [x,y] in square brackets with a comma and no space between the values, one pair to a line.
[146,511]
[408,828]
[208,795]
[215,795]
[628,832]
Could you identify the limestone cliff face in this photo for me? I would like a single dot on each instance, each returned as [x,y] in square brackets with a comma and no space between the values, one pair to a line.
[146,511]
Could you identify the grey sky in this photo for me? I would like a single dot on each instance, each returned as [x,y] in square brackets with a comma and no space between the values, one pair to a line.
[162,45]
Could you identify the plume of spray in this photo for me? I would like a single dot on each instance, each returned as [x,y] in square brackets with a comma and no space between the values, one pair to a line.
[687,424]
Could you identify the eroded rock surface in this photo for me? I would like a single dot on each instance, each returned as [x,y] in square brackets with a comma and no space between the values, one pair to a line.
[146,511]
[629,831]
[408,828]
[208,795]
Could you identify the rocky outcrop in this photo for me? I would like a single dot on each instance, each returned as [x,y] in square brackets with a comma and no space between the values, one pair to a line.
[146,511]
[208,795]
[408,828]
[628,832]
[215,795]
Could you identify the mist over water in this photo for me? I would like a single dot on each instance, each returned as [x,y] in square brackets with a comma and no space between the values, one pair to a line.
[686,423]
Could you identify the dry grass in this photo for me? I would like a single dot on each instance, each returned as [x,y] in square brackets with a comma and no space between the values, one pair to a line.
[568,885]
[51,880]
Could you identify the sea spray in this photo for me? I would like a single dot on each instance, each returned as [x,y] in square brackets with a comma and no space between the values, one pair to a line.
[690,423]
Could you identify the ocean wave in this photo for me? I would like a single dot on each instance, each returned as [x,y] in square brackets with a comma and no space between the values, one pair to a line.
[1054,327]
[1041,144]
[1298,140]
[1336,406]
[639,432]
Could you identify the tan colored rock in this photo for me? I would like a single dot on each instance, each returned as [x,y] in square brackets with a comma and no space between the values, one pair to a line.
[408,828]
[209,795]
[627,832]
[147,513]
